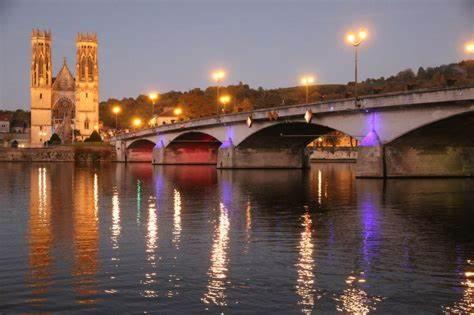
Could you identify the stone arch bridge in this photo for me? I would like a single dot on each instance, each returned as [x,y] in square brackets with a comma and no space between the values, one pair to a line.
[415,133]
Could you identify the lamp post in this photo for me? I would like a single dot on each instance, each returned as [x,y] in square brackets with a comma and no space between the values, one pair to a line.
[355,40]
[116,110]
[307,81]
[153,96]
[469,47]
[218,76]
[224,100]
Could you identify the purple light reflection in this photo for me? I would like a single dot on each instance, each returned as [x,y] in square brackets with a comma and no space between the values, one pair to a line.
[371,229]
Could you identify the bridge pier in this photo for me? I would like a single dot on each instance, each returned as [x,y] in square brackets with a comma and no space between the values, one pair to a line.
[121,150]
[231,157]
[371,157]
[158,155]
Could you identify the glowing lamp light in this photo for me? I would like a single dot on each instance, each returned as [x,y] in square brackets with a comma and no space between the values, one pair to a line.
[351,38]
[218,75]
[177,111]
[153,96]
[354,39]
[307,80]
[469,48]
[224,99]
[137,122]
[116,110]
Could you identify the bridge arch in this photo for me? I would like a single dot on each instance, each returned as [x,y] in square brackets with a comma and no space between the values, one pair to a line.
[290,135]
[140,150]
[280,144]
[190,148]
[453,124]
[444,147]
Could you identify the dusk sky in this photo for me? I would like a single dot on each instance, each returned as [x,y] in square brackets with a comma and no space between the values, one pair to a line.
[174,45]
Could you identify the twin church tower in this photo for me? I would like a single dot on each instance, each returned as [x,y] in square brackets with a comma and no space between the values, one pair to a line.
[64,104]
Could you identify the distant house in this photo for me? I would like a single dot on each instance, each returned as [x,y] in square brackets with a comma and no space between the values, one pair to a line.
[18,126]
[166,117]
[5,123]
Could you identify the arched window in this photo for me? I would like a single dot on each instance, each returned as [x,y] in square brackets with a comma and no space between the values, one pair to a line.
[40,66]
[90,68]
[83,68]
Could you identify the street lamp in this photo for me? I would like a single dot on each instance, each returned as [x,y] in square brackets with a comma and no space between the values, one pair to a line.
[355,40]
[137,122]
[218,76]
[307,80]
[469,47]
[224,100]
[153,96]
[116,110]
[177,111]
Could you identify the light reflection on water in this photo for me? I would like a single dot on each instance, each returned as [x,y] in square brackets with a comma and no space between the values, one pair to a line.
[85,237]
[354,299]
[40,236]
[217,273]
[177,219]
[466,303]
[305,286]
[151,249]
[117,238]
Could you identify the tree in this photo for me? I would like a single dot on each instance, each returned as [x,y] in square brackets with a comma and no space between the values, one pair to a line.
[405,75]
[54,140]
[94,137]
[421,74]
[244,106]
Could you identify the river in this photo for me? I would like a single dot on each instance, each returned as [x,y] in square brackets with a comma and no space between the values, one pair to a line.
[189,239]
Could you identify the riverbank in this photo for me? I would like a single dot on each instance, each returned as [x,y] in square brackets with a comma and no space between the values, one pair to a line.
[337,154]
[62,153]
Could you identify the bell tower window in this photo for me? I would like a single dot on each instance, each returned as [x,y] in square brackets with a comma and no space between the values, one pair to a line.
[90,68]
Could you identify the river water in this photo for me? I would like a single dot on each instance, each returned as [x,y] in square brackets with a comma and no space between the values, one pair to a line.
[191,239]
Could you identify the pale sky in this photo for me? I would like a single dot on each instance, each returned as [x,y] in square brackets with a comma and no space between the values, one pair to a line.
[174,45]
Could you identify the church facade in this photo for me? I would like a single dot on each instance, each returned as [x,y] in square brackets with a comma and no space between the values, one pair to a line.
[64,104]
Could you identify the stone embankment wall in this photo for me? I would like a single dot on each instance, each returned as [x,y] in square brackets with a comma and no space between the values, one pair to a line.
[59,154]
[337,154]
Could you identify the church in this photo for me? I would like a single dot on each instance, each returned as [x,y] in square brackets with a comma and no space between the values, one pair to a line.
[65,105]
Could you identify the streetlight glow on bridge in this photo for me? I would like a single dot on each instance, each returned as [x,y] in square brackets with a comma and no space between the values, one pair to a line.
[137,122]
[177,111]
[356,40]
[306,81]
[469,47]
[218,75]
